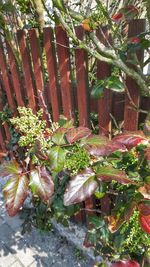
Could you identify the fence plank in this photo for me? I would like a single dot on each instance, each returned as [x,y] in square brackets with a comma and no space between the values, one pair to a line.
[26,68]
[62,43]
[105,103]
[15,75]
[36,59]
[82,81]
[5,79]
[52,71]
[131,116]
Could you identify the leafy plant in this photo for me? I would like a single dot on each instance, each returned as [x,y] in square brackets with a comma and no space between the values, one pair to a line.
[65,165]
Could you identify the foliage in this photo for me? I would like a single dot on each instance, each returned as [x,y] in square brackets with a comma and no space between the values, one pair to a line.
[64,165]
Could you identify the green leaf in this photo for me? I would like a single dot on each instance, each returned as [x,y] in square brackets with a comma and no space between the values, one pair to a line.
[41,183]
[58,136]
[80,187]
[57,158]
[98,90]
[15,192]
[115,84]
[108,174]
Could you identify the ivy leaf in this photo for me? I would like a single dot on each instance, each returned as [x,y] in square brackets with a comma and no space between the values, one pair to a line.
[131,139]
[57,158]
[41,183]
[76,134]
[108,174]
[58,136]
[98,90]
[15,192]
[80,187]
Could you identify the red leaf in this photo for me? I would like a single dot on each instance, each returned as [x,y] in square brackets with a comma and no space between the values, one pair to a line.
[41,183]
[117,17]
[145,191]
[144,209]
[135,40]
[99,145]
[108,174]
[76,134]
[131,139]
[125,263]
[80,187]
[15,192]
[145,223]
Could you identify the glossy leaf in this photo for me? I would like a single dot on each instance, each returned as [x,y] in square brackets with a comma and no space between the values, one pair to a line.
[131,139]
[15,192]
[117,17]
[125,263]
[145,191]
[80,187]
[108,174]
[58,136]
[57,158]
[10,168]
[145,223]
[38,151]
[114,83]
[144,209]
[147,155]
[76,134]
[101,146]
[41,183]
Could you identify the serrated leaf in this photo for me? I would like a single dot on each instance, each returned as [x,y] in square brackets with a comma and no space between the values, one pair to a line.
[108,174]
[41,183]
[58,136]
[80,187]
[15,192]
[75,134]
[57,158]
[131,139]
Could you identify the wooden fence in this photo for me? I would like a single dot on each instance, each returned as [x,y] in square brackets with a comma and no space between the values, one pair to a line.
[52,76]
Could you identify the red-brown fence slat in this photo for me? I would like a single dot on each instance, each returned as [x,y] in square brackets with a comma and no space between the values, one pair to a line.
[5,79]
[15,75]
[105,103]
[52,71]
[82,81]
[36,59]
[26,68]
[5,134]
[62,44]
[130,115]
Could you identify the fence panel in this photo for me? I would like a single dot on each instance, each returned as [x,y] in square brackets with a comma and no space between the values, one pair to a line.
[52,72]
[62,44]
[25,56]
[133,96]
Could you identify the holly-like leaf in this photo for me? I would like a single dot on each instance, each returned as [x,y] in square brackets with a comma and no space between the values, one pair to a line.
[58,136]
[108,174]
[101,146]
[57,158]
[41,183]
[80,187]
[15,192]
[131,139]
[76,134]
